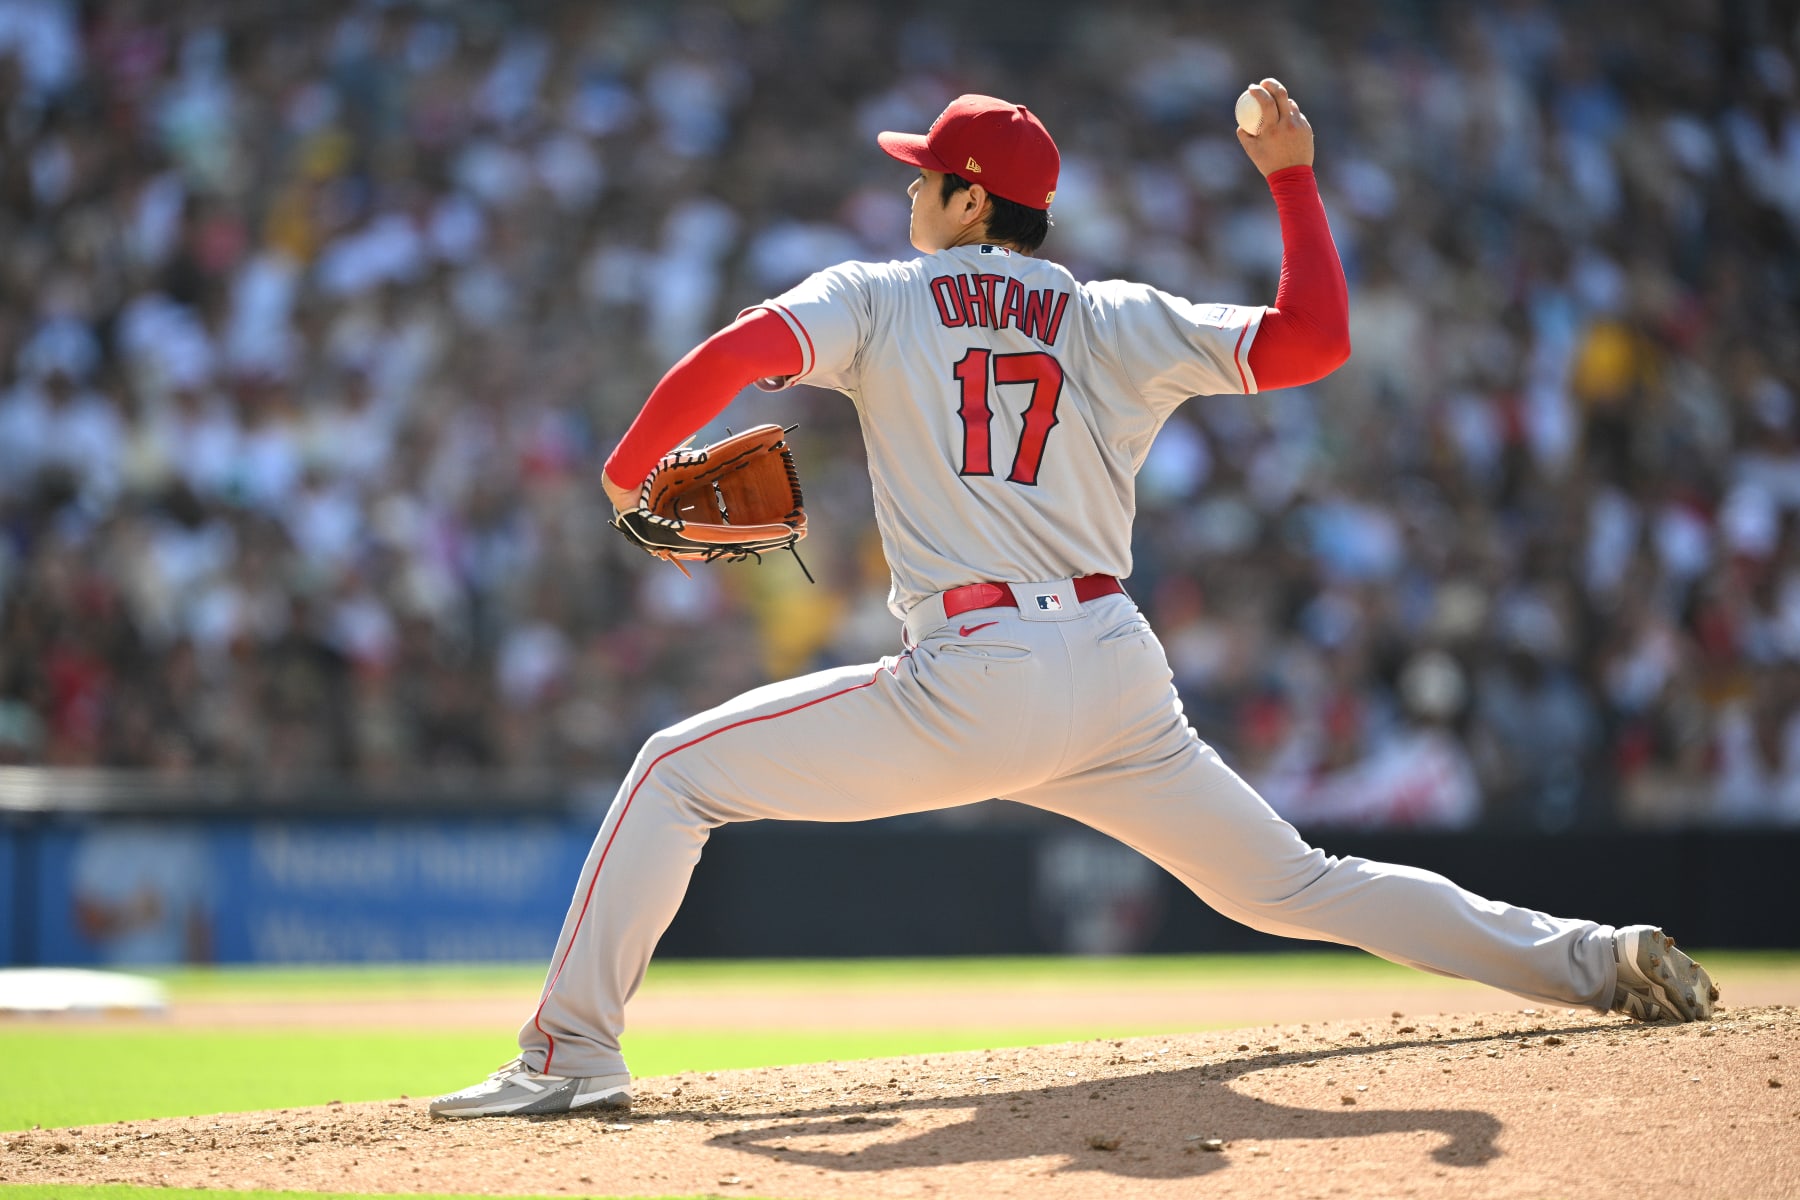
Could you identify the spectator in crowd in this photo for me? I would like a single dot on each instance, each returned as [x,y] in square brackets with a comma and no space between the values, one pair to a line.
[315,320]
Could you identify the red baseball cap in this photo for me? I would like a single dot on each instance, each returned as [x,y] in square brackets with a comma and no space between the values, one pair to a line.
[1001,146]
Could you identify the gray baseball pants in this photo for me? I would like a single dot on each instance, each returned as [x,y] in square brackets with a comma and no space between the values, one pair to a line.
[1070,710]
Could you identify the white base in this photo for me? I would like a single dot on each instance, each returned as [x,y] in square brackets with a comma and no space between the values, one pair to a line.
[40,990]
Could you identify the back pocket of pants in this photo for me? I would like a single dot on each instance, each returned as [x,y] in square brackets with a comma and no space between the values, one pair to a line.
[1133,626]
[989,652]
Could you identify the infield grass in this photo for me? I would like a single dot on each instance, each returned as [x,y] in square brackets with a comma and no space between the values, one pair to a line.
[96,1076]
[1343,968]
[121,1191]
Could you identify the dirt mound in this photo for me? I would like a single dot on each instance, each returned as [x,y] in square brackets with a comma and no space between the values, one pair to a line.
[1500,1105]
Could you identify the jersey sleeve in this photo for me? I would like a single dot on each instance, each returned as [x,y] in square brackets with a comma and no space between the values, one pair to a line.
[1173,348]
[830,314]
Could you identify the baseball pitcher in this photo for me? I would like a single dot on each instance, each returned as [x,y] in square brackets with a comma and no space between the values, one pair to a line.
[1006,408]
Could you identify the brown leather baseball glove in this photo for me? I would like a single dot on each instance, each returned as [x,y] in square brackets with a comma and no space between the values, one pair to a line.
[734,499]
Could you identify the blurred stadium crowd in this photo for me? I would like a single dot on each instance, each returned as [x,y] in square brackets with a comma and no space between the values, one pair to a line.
[316,321]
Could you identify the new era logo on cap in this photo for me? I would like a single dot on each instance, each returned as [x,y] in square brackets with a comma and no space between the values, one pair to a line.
[1003,143]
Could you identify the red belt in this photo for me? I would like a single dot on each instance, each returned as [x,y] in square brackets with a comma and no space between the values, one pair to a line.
[971,596]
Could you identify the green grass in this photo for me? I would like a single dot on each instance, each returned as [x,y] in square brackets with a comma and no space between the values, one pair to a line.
[1223,971]
[58,1078]
[252,983]
[89,1076]
[123,1191]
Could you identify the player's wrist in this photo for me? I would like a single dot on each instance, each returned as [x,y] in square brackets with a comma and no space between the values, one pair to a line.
[622,497]
[1296,173]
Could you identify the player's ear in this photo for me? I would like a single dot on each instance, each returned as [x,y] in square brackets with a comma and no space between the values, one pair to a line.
[974,205]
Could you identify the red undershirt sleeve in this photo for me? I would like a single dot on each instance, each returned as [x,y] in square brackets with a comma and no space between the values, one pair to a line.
[758,345]
[1306,335]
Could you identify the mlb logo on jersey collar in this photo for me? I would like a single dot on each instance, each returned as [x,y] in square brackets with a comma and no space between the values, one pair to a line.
[1050,603]
[987,249]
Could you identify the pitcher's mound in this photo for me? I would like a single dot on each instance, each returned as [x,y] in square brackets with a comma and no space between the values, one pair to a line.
[1519,1104]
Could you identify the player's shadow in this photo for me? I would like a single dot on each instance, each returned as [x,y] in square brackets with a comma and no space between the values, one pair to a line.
[1092,1122]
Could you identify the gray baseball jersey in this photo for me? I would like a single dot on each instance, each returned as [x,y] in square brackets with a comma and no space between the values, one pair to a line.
[1006,407]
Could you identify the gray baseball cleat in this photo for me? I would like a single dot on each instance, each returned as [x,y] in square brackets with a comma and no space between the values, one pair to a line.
[1657,982]
[515,1090]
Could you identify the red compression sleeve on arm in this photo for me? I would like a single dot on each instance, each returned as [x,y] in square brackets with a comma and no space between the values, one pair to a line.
[757,345]
[1306,336]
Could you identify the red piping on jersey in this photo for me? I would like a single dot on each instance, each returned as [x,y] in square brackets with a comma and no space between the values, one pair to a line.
[1306,335]
[812,356]
[1238,363]
[588,899]
[697,389]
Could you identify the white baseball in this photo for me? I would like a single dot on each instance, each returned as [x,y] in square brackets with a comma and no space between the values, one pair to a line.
[1249,113]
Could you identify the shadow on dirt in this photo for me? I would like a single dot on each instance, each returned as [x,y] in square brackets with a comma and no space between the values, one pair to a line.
[1092,1122]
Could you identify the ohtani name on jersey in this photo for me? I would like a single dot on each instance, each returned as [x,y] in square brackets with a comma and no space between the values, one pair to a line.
[996,302]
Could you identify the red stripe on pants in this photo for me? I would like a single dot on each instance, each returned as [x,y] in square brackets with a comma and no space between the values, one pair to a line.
[632,795]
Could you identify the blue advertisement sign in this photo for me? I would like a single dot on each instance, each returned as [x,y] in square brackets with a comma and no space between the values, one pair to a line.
[9,885]
[135,892]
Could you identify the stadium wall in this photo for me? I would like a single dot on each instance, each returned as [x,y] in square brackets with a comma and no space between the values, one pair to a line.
[129,889]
